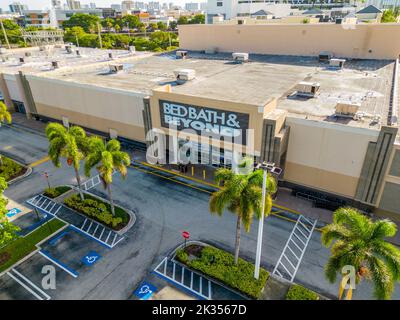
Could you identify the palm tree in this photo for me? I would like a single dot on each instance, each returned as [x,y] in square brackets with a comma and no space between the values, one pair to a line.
[241,194]
[107,157]
[360,242]
[5,116]
[67,143]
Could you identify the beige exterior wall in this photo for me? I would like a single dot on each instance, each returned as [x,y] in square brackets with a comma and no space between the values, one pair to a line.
[256,113]
[364,41]
[325,156]
[93,107]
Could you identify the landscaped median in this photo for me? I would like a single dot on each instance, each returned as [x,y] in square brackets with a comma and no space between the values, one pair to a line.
[9,169]
[297,292]
[21,247]
[98,210]
[56,192]
[219,264]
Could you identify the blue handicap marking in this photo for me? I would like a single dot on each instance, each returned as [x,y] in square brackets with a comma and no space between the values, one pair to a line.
[145,291]
[91,258]
[13,212]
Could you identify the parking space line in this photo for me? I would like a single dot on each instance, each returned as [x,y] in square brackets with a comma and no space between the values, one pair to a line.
[90,236]
[30,283]
[58,263]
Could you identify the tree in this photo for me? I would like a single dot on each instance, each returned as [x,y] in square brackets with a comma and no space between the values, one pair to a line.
[74,34]
[87,21]
[161,26]
[8,231]
[360,242]
[108,23]
[5,115]
[129,21]
[106,157]
[389,15]
[183,20]
[198,19]
[67,143]
[173,25]
[241,194]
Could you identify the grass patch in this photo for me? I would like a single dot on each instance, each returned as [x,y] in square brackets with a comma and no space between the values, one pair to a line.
[21,247]
[56,192]
[98,210]
[9,169]
[219,265]
[297,292]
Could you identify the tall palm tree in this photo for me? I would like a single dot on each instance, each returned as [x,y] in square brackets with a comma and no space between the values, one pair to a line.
[106,157]
[5,116]
[67,143]
[241,194]
[360,242]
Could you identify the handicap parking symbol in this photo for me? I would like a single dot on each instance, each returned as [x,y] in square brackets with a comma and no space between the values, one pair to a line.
[13,212]
[91,258]
[145,291]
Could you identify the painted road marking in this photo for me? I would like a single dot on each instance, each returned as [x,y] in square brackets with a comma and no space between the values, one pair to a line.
[58,263]
[39,162]
[91,258]
[145,291]
[30,283]
[11,213]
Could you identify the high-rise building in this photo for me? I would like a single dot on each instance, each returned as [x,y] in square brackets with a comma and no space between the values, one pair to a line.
[56,4]
[203,6]
[153,5]
[116,7]
[192,6]
[127,5]
[384,4]
[92,5]
[73,4]
[17,7]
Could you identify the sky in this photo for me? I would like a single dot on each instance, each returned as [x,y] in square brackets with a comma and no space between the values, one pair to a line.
[42,4]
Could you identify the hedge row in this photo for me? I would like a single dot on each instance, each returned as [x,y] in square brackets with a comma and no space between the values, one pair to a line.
[220,265]
[297,292]
[56,192]
[9,169]
[97,209]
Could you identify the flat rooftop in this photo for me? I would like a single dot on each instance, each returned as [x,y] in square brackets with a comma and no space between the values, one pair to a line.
[264,77]
[37,61]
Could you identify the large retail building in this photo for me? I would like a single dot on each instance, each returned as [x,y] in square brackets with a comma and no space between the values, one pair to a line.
[331,125]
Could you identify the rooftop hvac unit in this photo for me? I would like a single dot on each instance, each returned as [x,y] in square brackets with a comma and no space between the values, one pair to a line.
[347,108]
[336,63]
[55,64]
[325,56]
[22,60]
[78,53]
[240,56]
[181,54]
[110,55]
[28,54]
[184,75]
[307,89]
[132,49]
[241,21]
[42,48]
[114,68]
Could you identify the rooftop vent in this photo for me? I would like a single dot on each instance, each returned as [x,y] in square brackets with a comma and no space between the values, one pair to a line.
[241,21]
[28,54]
[78,53]
[347,108]
[240,56]
[55,64]
[307,89]
[325,56]
[21,60]
[336,63]
[132,49]
[184,75]
[110,55]
[68,48]
[115,68]
[42,48]
[181,54]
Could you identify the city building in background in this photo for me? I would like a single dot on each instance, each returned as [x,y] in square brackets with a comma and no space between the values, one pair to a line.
[17,7]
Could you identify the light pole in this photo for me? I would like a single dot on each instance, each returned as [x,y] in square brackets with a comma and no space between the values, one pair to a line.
[266,167]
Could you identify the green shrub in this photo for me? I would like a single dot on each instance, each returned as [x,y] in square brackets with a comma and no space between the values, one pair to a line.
[182,256]
[220,265]
[297,292]
[10,169]
[98,210]
[56,192]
